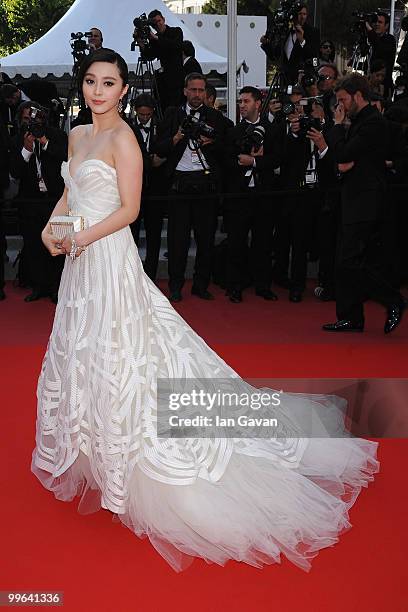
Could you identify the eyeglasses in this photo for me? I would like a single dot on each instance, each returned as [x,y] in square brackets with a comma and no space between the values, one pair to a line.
[327,47]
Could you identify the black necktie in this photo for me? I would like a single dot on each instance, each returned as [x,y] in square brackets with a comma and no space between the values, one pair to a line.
[143,127]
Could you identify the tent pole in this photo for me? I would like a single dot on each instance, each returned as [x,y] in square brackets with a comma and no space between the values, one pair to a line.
[392,17]
[232,58]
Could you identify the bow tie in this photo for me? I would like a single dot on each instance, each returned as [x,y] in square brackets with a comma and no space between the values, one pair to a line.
[195,111]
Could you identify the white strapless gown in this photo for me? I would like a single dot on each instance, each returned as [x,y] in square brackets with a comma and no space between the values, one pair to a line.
[114,335]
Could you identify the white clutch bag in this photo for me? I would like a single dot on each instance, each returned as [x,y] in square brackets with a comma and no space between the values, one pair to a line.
[64,225]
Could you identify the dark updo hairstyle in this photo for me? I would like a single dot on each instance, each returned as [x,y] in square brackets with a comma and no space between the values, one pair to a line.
[103,55]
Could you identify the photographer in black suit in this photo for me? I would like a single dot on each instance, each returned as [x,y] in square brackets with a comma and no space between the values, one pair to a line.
[302,43]
[384,47]
[251,154]
[154,183]
[166,46]
[193,166]
[361,154]
[37,152]
[299,174]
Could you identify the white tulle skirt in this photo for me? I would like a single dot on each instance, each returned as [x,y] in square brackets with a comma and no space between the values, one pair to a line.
[255,512]
[114,335]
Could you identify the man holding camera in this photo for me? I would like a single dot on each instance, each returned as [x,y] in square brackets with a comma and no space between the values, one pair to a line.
[299,173]
[154,183]
[37,152]
[167,46]
[191,138]
[302,43]
[384,47]
[251,156]
[360,154]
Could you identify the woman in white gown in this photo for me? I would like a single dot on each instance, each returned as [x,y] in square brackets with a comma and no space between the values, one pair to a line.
[114,336]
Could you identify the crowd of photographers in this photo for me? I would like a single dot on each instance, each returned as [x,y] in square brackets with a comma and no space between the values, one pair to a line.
[316,171]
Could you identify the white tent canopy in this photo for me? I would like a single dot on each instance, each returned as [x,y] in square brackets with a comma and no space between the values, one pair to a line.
[52,52]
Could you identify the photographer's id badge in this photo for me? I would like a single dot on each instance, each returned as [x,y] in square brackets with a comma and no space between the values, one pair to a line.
[195,160]
[311,177]
[41,185]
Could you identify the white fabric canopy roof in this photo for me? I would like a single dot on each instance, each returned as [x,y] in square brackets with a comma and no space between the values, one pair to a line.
[52,52]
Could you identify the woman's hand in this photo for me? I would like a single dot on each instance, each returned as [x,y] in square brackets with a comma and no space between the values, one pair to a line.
[66,245]
[51,242]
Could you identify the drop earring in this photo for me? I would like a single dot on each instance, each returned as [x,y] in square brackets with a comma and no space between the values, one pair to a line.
[120,106]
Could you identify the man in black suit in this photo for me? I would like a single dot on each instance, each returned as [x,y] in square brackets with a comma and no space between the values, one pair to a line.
[193,166]
[154,183]
[302,43]
[250,162]
[4,182]
[299,174]
[384,47]
[36,160]
[361,154]
[166,46]
[190,64]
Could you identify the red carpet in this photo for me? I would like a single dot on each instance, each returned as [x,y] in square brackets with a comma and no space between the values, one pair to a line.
[101,566]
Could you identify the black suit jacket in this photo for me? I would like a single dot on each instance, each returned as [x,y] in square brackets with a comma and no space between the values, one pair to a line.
[263,172]
[148,150]
[168,49]
[365,144]
[190,66]
[296,153]
[299,54]
[167,128]
[51,160]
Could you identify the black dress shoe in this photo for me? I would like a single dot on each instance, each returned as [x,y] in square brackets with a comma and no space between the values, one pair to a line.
[267,294]
[235,296]
[344,326]
[34,296]
[2,295]
[202,293]
[295,296]
[175,296]
[394,316]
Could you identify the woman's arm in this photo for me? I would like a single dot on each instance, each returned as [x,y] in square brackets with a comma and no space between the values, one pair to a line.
[129,169]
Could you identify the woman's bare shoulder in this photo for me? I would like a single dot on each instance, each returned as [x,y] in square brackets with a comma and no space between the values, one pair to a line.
[76,134]
[124,139]
[78,131]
